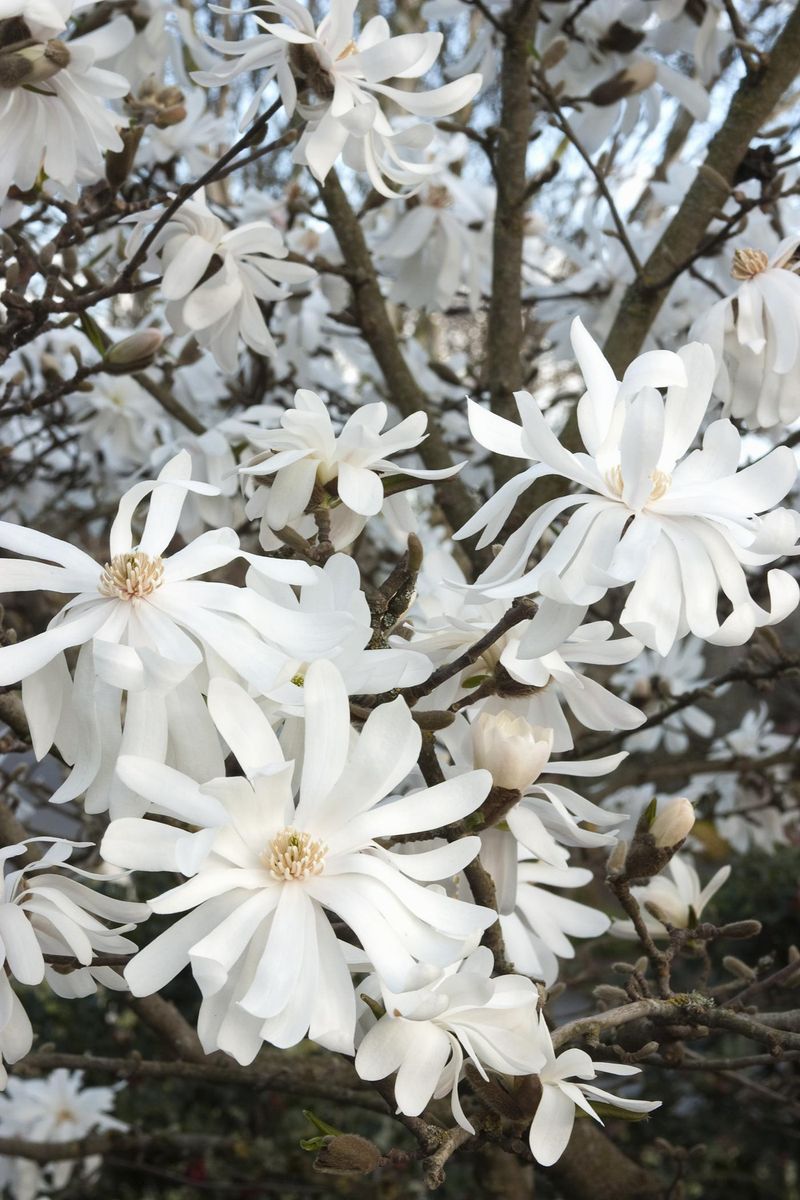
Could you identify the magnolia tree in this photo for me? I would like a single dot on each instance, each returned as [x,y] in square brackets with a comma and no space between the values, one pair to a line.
[398,409]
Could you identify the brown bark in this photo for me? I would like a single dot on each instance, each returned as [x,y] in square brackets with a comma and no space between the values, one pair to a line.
[504,333]
[379,333]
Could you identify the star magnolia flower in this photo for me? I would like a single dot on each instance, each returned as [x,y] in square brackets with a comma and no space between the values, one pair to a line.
[261,946]
[144,625]
[426,1034]
[43,912]
[679,528]
[513,751]
[214,277]
[609,64]
[306,452]
[755,336]
[555,1116]
[336,81]
[744,808]
[440,245]
[56,1108]
[364,671]
[680,899]
[538,665]
[53,98]
[537,922]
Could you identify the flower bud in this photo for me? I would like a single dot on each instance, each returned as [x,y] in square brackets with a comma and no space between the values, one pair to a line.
[673,823]
[347,1154]
[33,64]
[512,750]
[133,353]
[636,78]
[554,53]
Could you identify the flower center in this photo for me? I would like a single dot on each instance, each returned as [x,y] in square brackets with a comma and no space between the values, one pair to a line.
[294,855]
[748,263]
[132,576]
[660,480]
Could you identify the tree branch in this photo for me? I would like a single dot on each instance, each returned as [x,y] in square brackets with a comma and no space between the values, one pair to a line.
[753,103]
[379,333]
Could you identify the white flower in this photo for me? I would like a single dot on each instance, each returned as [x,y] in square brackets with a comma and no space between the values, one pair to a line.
[440,245]
[744,811]
[123,420]
[679,528]
[43,912]
[56,1108]
[541,660]
[261,946]
[426,1034]
[535,920]
[214,277]
[144,624]
[755,336]
[53,99]
[337,82]
[336,590]
[555,1116]
[608,66]
[512,750]
[680,899]
[307,452]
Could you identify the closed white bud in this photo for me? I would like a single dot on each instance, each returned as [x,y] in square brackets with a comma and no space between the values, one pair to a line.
[673,823]
[514,751]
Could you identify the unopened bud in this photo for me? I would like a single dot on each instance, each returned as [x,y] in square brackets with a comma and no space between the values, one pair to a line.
[133,353]
[633,79]
[738,968]
[620,38]
[170,116]
[673,823]
[33,64]
[347,1154]
[512,750]
[607,994]
[554,53]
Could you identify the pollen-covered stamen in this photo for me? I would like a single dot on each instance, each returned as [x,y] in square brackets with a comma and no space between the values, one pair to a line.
[660,480]
[294,855]
[132,576]
[748,263]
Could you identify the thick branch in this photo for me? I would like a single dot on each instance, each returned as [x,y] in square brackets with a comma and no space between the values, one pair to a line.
[273,1071]
[504,330]
[379,334]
